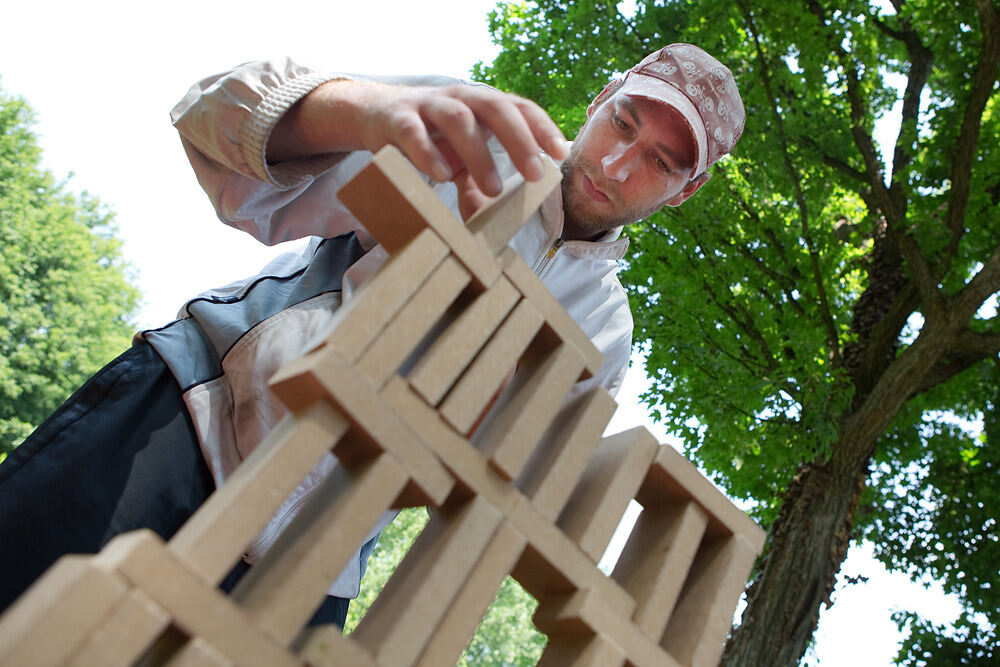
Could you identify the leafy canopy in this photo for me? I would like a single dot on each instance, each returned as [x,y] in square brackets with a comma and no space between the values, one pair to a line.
[65,292]
[824,301]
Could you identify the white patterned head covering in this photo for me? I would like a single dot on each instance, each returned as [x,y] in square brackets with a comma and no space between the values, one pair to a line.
[698,86]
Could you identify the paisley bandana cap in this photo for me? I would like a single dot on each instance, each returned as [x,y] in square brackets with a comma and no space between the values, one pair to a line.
[700,88]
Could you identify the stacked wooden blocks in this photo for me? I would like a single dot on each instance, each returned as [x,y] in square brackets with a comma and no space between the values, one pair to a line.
[443,383]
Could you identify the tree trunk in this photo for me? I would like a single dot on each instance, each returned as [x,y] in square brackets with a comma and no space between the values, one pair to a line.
[806,547]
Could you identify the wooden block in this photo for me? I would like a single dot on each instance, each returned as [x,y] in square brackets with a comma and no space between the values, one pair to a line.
[200,653]
[586,651]
[358,322]
[697,630]
[199,609]
[552,563]
[283,590]
[399,338]
[326,646]
[611,480]
[58,612]
[524,279]
[537,393]
[126,634]
[438,369]
[497,221]
[215,537]
[472,394]
[416,598]
[673,477]
[340,383]
[656,560]
[550,476]
[567,614]
[394,202]
[467,610]
[472,471]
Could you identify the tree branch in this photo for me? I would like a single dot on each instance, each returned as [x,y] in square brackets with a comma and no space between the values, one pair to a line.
[921,61]
[832,161]
[786,282]
[970,349]
[833,340]
[968,136]
[964,304]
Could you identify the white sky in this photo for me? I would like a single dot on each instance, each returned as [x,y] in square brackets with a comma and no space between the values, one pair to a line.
[103,76]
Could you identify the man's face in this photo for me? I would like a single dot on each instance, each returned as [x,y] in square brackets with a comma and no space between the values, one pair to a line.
[633,156]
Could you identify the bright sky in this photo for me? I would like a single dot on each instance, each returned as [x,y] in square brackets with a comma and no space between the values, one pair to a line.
[103,76]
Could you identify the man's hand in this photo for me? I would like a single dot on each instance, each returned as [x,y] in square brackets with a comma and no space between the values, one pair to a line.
[442,130]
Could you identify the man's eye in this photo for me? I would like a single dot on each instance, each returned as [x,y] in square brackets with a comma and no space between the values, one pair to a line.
[663,166]
[620,123]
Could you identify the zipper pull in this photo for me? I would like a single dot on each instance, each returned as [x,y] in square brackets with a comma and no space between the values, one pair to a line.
[554,249]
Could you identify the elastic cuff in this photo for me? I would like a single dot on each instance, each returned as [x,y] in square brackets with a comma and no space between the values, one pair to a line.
[256,130]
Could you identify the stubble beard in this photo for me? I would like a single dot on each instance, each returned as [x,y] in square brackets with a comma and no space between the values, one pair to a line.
[580,223]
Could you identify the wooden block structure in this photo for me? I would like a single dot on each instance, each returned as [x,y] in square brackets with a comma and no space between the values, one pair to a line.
[443,383]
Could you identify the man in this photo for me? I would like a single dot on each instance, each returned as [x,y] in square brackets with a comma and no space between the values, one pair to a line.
[145,441]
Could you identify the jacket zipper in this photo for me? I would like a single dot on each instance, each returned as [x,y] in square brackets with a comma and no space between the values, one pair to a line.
[546,259]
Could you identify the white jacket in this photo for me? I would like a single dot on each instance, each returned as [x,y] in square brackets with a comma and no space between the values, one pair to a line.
[227,342]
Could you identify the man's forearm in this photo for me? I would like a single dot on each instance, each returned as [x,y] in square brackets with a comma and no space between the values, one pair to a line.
[442,130]
[327,120]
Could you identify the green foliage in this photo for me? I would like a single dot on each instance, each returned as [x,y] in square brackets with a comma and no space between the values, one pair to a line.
[775,302]
[393,544]
[504,638]
[928,645]
[65,295]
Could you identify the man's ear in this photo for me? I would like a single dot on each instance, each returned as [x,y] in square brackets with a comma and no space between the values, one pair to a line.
[689,189]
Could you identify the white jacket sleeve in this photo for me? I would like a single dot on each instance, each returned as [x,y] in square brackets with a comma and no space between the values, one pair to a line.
[225,121]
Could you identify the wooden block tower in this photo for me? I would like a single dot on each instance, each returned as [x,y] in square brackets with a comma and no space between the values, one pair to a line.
[404,391]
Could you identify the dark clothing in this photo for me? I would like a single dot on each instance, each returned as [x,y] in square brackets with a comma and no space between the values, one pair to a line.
[120,454]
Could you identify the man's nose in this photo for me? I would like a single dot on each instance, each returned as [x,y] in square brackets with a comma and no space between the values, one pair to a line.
[620,161]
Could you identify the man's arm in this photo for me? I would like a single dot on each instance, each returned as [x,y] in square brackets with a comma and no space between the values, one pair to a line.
[442,130]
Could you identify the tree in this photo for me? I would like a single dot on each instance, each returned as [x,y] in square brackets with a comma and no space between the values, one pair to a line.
[504,638]
[821,319]
[65,295]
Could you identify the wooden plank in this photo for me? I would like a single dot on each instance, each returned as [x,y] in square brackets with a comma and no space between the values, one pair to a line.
[452,352]
[468,608]
[472,471]
[376,424]
[526,282]
[473,393]
[612,478]
[359,321]
[671,476]
[566,614]
[551,475]
[199,609]
[283,589]
[58,612]
[400,337]
[216,536]
[416,598]
[497,221]
[656,560]
[537,393]
[126,635]
[587,651]
[552,563]
[394,202]
[697,630]
[199,653]
[326,646]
